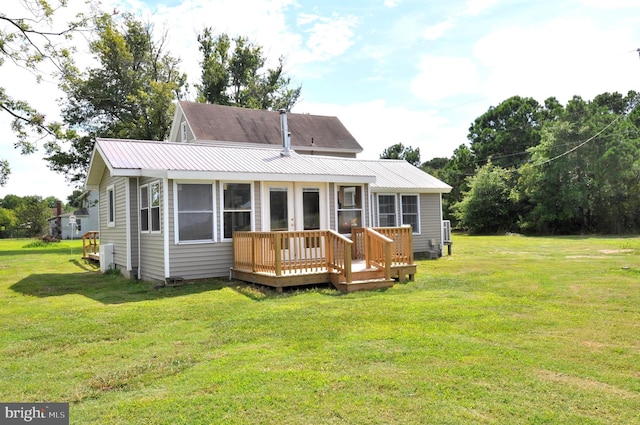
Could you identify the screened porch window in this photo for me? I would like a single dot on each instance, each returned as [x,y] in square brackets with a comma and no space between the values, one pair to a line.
[410,211]
[195,212]
[387,210]
[349,208]
[237,208]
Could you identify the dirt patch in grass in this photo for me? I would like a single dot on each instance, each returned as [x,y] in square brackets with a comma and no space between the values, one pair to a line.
[585,384]
[615,251]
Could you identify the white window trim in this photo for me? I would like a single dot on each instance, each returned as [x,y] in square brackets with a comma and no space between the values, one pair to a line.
[395,207]
[140,209]
[417,195]
[253,207]
[336,190]
[151,207]
[176,213]
[111,204]
[183,131]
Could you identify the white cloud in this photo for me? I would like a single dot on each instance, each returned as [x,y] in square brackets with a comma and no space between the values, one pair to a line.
[475,7]
[391,3]
[560,58]
[610,4]
[442,77]
[376,126]
[436,31]
[327,37]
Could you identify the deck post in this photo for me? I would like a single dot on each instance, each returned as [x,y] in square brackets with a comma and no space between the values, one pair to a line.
[387,260]
[254,252]
[347,264]
[366,242]
[278,253]
[410,244]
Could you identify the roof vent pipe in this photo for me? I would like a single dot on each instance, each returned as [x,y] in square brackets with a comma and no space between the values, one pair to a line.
[286,140]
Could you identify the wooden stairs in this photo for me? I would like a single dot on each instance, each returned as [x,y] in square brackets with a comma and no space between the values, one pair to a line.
[362,280]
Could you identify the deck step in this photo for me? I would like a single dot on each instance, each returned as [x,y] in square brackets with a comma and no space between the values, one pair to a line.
[364,285]
[364,275]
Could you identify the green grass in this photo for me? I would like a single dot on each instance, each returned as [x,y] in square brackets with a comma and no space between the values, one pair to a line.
[508,330]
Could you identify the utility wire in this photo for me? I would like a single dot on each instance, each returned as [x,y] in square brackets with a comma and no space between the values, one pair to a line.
[581,144]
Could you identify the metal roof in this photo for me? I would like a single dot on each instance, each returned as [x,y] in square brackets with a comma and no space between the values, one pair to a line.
[205,161]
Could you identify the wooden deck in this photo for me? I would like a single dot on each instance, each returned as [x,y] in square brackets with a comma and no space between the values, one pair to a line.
[371,259]
[90,246]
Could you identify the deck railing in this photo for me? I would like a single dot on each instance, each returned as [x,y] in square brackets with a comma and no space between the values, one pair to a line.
[90,244]
[401,246]
[298,252]
[316,251]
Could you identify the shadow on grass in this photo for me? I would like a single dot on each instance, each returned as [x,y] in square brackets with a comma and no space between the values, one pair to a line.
[107,288]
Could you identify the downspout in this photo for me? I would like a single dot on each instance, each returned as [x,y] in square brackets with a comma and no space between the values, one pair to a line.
[127,203]
[165,207]
[441,228]
[139,228]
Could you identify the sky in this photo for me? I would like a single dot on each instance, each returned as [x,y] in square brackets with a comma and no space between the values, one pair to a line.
[416,72]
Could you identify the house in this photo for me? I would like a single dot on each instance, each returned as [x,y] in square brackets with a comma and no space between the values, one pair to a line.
[85,219]
[284,189]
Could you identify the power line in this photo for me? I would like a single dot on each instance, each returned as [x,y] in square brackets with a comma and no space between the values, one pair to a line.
[581,144]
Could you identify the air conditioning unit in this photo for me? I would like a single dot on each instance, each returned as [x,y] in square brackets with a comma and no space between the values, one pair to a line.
[106,257]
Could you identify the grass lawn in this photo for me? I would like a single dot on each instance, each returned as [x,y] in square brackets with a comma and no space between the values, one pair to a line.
[508,330]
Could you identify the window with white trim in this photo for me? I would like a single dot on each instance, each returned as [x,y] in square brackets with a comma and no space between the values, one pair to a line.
[111,206]
[154,193]
[237,207]
[183,131]
[386,210]
[144,208]
[150,207]
[195,212]
[410,211]
[349,208]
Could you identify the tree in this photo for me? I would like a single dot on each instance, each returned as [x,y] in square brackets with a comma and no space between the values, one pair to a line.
[11,202]
[435,166]
[33,215]
[456,173]
[487,205]
[8,221]
[130,95]
[233,73]
[76,198]
[585,172]
[399,151]
[27,42]
[503,134]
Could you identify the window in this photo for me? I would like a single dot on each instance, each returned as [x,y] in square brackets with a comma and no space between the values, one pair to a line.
[111,207]
[195,212]
[183,132]
[386,210]
[410,211]
[237,208]
[150,207]
[349,208]
[144,208]
[155,207]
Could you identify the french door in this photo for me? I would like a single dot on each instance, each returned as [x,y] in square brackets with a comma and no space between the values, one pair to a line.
[298,206]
